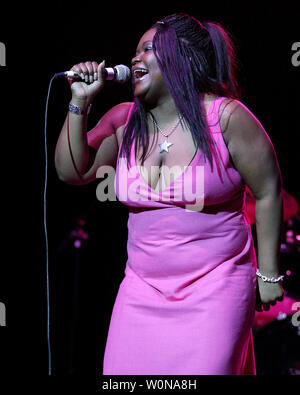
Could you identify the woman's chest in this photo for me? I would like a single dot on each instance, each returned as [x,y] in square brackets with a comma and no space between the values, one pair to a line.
[166,157]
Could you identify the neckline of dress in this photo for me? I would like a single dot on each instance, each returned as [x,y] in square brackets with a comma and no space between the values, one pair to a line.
[175,179]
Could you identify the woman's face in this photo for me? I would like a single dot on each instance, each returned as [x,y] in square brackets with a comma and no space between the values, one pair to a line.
[148,82]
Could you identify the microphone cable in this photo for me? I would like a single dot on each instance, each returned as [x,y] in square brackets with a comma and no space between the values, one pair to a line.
[45,228]
[45,216]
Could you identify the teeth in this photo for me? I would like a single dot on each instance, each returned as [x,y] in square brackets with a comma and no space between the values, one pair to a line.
[138,73]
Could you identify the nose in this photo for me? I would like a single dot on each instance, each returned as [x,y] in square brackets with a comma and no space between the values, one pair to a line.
[135,60]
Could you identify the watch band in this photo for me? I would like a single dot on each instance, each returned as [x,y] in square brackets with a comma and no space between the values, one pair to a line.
[78,110]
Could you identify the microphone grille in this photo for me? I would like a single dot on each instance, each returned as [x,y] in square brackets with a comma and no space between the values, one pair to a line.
[122,73]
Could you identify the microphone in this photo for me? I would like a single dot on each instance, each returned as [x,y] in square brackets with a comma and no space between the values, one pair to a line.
[119,73]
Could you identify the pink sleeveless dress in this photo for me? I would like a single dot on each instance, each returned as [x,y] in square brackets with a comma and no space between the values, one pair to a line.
[187,301]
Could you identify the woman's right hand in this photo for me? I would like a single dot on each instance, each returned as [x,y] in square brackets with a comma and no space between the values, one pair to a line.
[83,92]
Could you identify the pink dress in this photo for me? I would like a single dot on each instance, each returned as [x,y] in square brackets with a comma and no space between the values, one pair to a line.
[187,301]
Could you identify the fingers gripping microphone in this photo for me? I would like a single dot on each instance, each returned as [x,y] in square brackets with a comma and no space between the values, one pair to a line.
[119,73]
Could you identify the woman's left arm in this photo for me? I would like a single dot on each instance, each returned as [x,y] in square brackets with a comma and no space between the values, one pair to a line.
[254,157]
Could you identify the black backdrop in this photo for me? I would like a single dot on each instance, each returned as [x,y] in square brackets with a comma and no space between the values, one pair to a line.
[42,40]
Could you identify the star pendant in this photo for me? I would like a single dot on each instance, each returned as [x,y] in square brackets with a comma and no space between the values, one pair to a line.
[164,146]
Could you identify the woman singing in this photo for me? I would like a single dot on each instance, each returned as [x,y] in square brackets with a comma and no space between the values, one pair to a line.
[187,301]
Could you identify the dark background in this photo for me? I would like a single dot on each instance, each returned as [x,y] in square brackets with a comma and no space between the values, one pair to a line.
[42,40]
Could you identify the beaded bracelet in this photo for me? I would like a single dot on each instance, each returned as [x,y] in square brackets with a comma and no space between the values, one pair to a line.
[78,110]
[268,279]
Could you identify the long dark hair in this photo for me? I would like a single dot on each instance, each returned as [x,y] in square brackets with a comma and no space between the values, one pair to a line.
[194,58]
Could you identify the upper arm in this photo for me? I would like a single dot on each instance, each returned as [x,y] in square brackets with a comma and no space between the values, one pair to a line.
[108,125]
[251,150]
[103,141]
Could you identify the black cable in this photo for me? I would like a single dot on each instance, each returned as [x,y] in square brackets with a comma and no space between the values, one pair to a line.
[45,228]
[45,213]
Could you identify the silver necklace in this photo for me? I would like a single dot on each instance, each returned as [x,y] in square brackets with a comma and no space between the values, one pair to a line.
[164,147]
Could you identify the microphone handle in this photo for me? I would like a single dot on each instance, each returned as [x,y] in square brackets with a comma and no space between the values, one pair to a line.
[110,73]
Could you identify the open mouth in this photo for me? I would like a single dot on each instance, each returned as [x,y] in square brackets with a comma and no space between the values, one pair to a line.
[139,73]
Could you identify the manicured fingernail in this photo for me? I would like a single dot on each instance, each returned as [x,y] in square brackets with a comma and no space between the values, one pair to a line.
[86,78]
[91,78]
[82,76]
[95,76]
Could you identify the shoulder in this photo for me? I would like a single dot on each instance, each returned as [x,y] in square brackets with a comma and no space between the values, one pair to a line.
[118,114]
[246,138]
[237,120]
[250,148]
[111,124]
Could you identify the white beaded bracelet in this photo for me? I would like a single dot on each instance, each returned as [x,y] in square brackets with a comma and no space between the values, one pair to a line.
[268,279]
[78,110]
